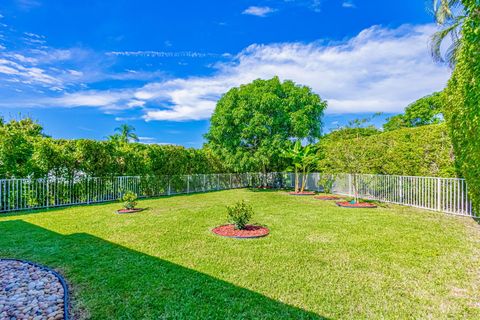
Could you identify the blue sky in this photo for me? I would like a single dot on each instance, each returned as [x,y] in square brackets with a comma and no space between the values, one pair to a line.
[81,68]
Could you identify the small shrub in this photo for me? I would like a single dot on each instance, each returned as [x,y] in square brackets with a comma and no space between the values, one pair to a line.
[240,214]
[327,181]
[129,200]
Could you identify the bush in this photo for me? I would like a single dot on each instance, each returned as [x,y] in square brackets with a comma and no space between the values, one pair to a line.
[240,214]
[326,181]
[420,151]
[129,200]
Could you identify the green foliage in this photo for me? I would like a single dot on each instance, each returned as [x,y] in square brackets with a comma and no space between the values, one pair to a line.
[26,152]
[254,123]
[303,159]
[462,97]
[424,111]
[129,200]
[17,139]
[125,134]
[240,214]
[422,151]
[326,181]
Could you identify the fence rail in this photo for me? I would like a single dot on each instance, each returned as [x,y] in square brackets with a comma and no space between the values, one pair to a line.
[25,194]
[449,195]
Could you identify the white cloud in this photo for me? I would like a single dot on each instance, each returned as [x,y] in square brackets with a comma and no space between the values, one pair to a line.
[28,4]
[166,54]
[258,11]
[380,69]
[348,4]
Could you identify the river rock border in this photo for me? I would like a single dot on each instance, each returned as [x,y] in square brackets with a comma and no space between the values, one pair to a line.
[31,291]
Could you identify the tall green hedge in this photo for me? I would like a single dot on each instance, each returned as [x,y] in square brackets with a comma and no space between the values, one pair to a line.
[421,151]
[69,158]
[462,97]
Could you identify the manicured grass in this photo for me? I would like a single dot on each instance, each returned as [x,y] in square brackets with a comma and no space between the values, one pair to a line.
[319,260]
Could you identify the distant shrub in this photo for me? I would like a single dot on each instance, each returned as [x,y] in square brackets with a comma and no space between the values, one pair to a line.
[326,181]
[129,200]
[240,214]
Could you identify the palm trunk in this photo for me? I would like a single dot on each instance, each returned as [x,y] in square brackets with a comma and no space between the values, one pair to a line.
[296,180]
[304,180]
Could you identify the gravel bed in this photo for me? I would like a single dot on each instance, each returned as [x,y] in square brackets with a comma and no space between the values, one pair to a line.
[29,291]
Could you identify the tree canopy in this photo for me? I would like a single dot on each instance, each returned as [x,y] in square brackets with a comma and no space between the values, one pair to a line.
[253,124]
[424,111]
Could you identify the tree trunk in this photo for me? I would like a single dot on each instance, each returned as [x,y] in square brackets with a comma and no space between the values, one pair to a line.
[304,180]
[296,179]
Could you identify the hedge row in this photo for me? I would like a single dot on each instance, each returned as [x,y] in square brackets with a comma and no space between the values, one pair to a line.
[462,96]
[69,158]
[421,151]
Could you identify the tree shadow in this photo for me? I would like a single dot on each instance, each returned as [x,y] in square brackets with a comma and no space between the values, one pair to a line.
[110,281]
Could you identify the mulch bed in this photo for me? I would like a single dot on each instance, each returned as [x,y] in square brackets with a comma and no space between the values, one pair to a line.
[346,204]
[250,231]
[121,211]
[304,193]
[327,197]
[265,187]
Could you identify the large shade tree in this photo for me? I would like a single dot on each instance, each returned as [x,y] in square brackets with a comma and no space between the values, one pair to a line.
[424,111]
[17,139]
[254,123]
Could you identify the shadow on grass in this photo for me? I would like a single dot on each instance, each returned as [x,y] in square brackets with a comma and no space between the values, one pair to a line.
[113,282]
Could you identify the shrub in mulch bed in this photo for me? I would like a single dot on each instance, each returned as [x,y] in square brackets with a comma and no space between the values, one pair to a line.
[304,193]
[346,204]
[327,197]
[129,202]
[250,231]
[121,211]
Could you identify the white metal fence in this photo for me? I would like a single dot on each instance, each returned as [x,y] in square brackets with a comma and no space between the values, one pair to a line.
[449,195]
[24,194]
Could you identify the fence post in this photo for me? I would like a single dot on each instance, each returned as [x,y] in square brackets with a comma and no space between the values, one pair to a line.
[350,184]
[169,186]
[188,184]
[231,187]
[218,181]
[439,197]
[48,193]
[318,182]
[401,189]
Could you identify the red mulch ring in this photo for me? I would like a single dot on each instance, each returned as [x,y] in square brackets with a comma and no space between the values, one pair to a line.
[347,204]
[130,210]
[304,193]
[250,231]
[327,197]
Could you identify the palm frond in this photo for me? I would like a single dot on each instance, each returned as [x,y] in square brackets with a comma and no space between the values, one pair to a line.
[438,38]
[444,10]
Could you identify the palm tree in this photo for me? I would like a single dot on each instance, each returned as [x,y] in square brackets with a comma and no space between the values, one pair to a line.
[126,133]
[448,14]
[303,159]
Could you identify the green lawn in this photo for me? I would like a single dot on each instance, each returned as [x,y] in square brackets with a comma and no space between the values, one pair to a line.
[320,261]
